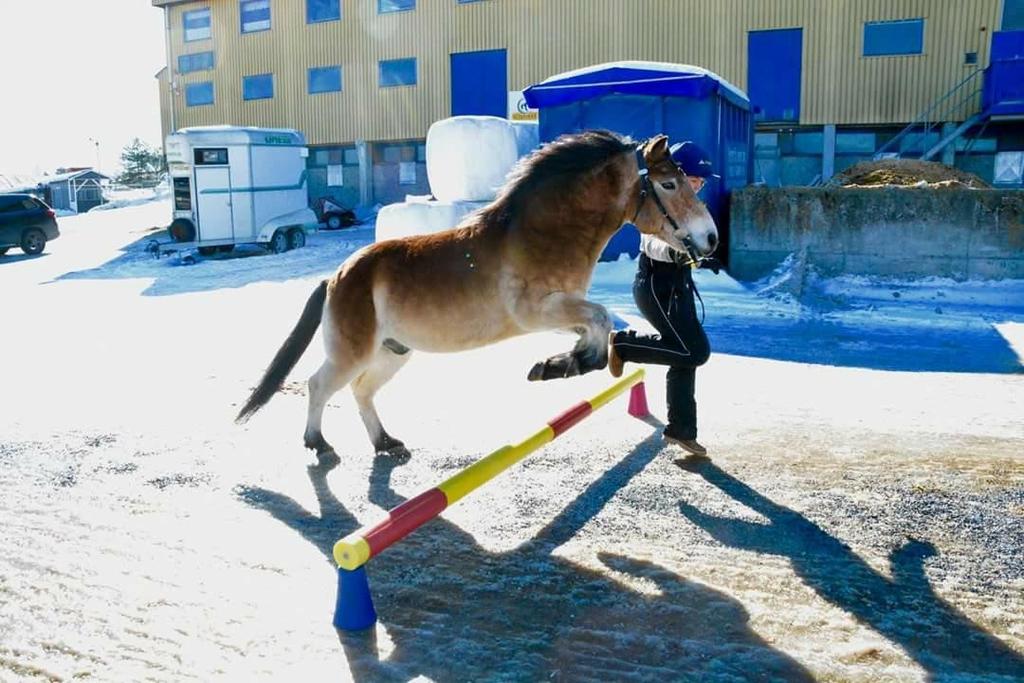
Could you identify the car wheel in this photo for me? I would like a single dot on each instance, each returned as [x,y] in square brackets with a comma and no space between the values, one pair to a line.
[296,239]
[3,250]
[33,241]
[334,222]
[207,251]
[279,242]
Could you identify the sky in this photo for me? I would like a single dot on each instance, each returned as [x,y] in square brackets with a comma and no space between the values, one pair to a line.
[73,72]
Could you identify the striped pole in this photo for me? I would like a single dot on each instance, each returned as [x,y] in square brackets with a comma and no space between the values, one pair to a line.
[357,548]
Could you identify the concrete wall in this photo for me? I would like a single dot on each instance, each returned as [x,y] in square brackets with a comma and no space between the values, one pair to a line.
[905,232]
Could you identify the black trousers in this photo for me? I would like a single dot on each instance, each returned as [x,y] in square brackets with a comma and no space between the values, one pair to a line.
[664,293]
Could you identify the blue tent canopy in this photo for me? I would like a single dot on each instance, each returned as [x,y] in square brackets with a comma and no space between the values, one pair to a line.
[632,78]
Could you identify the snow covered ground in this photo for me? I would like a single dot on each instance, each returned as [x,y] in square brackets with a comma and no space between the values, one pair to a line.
[861,517]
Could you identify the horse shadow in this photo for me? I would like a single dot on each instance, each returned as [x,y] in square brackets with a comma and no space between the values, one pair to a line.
[456,611]
[904,609]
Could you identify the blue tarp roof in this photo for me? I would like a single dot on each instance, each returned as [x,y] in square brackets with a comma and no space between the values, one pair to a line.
[632,78]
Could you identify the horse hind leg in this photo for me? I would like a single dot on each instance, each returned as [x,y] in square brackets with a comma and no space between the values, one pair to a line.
[324,383]
[387,361]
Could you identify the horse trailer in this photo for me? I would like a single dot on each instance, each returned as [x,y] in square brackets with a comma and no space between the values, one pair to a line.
[235,185]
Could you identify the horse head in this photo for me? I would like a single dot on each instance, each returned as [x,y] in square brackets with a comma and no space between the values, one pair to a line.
[668,206]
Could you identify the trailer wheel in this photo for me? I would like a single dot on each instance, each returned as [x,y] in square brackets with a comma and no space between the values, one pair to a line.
[334,222]
[279,242]
[182,230]
[226,248]
[296,239]
[207,251]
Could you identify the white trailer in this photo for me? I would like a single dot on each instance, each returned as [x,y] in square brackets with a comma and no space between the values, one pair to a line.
[234,185]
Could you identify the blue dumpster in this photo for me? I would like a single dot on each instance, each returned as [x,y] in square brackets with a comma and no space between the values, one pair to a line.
[643,99]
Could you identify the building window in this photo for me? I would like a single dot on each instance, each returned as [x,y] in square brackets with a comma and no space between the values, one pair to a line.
[200,61]
[196,24]
[259,87]
[334,156]
[324,79]
[970,58]
[197,94]
[322,10]
[255,15]
[385,6]
[394,72]
[886,38]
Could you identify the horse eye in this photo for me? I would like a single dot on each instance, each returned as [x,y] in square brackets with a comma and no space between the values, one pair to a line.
[669,185]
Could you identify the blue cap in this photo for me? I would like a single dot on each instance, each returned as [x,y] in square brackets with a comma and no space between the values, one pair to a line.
[691,159]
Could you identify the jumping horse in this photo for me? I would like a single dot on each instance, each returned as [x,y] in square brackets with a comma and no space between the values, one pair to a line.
[522,264]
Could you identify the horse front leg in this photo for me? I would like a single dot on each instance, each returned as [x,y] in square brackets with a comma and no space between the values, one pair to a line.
[591,321]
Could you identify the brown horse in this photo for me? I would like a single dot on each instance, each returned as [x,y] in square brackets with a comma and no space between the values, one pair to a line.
[522,264]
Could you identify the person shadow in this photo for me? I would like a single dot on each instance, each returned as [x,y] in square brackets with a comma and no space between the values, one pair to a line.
[904,609]
[452,610]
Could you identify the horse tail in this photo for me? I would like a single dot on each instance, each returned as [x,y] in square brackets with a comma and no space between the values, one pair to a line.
[288,355]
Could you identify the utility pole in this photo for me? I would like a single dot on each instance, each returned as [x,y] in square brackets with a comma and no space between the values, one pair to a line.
[97,143]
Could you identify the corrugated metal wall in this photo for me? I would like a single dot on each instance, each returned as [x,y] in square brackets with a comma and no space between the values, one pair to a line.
[544,37]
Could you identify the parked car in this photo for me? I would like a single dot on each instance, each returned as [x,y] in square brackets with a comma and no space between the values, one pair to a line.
[26,222]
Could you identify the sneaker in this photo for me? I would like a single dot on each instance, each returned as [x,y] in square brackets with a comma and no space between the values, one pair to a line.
[615,361]
[689,445]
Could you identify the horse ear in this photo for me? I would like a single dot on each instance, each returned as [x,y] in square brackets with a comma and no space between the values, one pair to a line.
[656,149]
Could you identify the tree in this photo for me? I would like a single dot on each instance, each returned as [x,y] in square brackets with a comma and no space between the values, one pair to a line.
[141,163]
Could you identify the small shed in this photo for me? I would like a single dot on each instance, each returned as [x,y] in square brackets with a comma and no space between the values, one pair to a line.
[643,99]
[75,190]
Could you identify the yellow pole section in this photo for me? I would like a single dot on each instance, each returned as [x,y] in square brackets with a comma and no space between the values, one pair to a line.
[352,551]
[487,468]
[614,390]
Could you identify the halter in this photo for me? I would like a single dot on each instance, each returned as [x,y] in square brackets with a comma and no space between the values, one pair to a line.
[646,188]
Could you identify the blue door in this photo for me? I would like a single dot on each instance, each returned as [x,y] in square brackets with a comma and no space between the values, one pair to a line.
[774,63]
[480,83]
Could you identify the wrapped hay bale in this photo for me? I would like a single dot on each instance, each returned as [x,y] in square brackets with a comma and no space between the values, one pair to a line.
[417,216]
[468,157]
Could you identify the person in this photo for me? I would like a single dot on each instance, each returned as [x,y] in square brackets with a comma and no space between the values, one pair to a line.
[664,292]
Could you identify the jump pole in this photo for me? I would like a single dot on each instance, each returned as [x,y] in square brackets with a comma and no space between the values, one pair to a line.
[354,610]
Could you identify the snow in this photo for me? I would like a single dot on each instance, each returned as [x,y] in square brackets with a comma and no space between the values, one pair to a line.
[866,485]
[468,157]
[124,198]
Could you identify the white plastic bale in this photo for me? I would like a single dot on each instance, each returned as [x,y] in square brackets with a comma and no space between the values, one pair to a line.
[421,217]
[468,157]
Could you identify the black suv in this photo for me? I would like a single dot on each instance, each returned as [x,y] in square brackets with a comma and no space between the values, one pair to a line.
[25,222]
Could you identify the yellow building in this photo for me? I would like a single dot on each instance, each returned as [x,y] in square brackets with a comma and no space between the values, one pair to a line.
[833,79]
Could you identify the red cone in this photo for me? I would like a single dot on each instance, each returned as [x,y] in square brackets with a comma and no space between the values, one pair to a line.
[638,401]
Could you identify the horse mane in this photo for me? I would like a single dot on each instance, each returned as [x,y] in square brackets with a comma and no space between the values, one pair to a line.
[561,160]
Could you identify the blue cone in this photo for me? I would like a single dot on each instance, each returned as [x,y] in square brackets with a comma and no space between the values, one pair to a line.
[354,611]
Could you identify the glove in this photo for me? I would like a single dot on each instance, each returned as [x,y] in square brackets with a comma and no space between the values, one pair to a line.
[680,258]
[712,264]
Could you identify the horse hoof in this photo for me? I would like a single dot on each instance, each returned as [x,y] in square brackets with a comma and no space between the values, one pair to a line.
[556,367]
[327,458]
[389,445]
[398,453]
[536,373]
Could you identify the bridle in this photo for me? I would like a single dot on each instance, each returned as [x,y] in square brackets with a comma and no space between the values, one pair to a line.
[646,188]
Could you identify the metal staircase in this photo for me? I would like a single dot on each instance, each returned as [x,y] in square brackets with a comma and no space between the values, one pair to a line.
[962,98]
